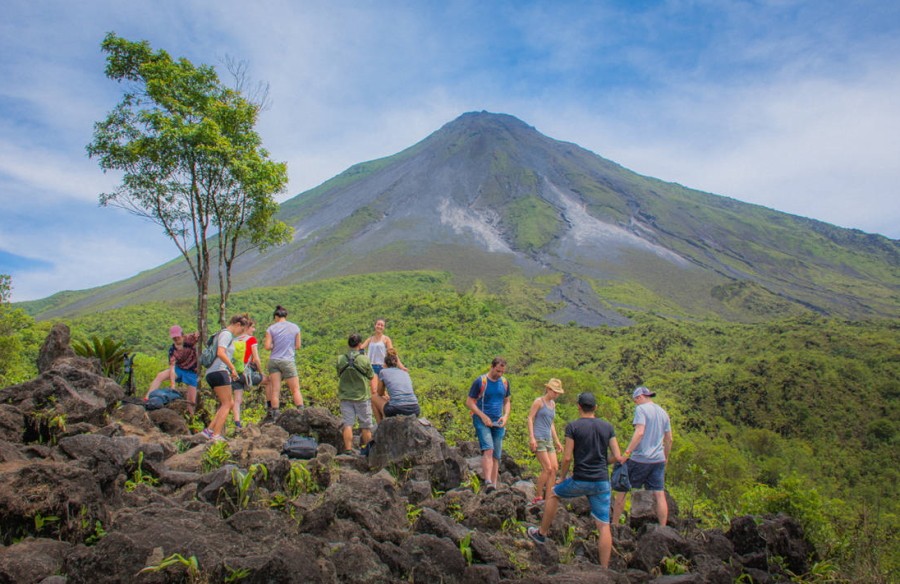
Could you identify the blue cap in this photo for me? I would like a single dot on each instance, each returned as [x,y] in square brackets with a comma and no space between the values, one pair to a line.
[641,390]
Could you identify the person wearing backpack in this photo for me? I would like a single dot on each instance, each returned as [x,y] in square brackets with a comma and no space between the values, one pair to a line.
[354,373]
[489,403]
[246,361]
[222,372]
[283,339]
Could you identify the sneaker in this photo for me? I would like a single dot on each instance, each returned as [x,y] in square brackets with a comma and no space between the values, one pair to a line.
[537,501]
[535,534]
[489,488]
[217,438]
[350,452]
[208,434]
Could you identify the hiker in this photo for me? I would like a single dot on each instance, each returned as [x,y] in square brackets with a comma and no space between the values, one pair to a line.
[490,404]
[376,348]
[543,440]
[248,365]
[182,365]
[222,372]
[588,440]
[283,340]
[354,373]
[647,453]
[397,385]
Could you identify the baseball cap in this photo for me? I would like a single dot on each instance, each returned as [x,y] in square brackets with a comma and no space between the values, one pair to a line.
[641,390]
[587,399]
[176,331]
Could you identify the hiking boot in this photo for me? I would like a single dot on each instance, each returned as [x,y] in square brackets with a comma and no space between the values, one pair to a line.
[489,487]
[237,424]
[271,417]
[535,534]
[350,452]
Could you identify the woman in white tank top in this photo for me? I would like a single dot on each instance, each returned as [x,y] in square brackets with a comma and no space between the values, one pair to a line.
[376,348]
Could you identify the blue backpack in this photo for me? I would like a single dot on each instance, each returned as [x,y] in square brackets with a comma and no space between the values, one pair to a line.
[159,398]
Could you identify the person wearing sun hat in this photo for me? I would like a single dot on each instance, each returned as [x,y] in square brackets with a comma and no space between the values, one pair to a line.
[543,440]
[589,440]
[648,452]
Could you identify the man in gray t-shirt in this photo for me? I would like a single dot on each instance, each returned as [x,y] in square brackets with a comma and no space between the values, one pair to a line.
[647,453]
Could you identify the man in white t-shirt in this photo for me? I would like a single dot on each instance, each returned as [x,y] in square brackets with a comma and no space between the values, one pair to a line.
[647,453]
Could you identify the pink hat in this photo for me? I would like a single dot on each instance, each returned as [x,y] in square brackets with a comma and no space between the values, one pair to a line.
[176,331]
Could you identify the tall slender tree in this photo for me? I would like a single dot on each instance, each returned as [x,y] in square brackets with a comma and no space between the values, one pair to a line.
[190,159]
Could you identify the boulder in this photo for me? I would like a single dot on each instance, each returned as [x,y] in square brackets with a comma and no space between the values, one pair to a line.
[359,564]
[643,508]
[12,423]
[316,422]
[32,560]
[435,559]
[756,539]
[657,543]
[169,421]
[55,347]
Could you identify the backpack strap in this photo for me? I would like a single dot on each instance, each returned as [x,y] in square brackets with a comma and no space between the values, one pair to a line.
[351,361]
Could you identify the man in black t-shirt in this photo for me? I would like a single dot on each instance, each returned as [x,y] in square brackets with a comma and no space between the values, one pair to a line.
[587,441]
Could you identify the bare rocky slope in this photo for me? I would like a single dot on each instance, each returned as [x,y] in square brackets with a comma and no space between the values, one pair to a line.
[487,196]
[93,490]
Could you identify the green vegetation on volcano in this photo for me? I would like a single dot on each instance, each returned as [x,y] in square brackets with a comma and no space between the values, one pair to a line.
[798,414]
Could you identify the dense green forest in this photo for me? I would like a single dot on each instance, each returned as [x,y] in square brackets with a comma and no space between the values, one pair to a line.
[797,415]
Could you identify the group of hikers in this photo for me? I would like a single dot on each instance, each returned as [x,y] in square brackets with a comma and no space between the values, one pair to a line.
[373,384]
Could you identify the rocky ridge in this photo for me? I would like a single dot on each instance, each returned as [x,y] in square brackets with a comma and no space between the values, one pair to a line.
[94,490]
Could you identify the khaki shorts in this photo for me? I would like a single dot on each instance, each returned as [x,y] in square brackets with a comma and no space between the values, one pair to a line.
[545,446]
[357,410]
[286,367]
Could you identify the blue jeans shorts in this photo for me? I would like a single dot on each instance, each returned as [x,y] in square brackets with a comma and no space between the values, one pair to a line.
[377,368]
[597,492]
[186,377]
[489,438]
[647,475]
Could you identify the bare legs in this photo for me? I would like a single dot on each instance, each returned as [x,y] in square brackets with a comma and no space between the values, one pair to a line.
[662,507]
[236,408]
[549,467]
[273,390]
[604,542]
[490,466]
[226,402]
[365,436]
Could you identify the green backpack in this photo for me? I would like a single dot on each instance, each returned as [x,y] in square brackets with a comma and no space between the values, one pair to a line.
[240,348]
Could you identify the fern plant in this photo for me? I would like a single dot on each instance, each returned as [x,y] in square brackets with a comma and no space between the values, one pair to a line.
[110,352]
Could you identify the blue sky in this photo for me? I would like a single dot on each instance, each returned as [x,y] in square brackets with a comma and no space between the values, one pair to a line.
[788,104]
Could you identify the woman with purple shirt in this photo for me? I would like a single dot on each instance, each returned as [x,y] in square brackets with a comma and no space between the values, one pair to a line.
[283,340]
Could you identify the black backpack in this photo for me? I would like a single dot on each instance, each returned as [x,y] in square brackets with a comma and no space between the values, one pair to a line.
[351,362]
[297,446]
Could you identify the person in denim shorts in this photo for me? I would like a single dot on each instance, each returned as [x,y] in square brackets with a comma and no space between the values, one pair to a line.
[588,440]
[648,453]
[489,402]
